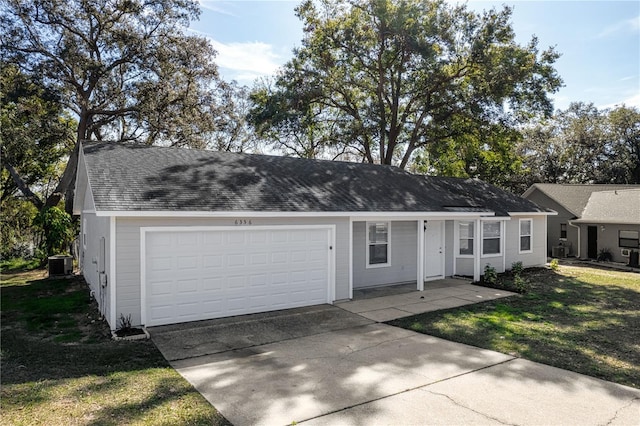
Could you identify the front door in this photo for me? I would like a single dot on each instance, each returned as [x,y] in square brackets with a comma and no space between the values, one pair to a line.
[592,242]
[433,250]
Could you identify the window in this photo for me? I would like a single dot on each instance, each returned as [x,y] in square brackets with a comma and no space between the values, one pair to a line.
[377,244]
[465,236]
[491,238]
[563,231]
[629,239]
[525,235]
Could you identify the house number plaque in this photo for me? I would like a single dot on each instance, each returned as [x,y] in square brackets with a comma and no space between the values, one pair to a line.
[243,222]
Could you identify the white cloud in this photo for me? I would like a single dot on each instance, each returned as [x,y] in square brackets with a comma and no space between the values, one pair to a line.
[247,60]
[625,26]
[214,6]
[632,101]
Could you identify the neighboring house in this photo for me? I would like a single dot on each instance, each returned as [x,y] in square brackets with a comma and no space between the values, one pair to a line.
[171,235]
[590,218]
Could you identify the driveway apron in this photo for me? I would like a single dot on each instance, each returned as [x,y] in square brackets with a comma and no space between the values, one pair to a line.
[353,371]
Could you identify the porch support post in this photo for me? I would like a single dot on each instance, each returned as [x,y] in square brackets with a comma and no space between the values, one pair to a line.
[420,259]
[476,250]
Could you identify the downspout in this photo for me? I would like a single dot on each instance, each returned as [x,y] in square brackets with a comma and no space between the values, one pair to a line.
[579,245]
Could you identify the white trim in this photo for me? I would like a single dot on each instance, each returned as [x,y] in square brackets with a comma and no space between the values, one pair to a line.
[112,272]
[482,254]
[350,258]
[476,250]
[530,236]
[420,258]
[388,244]
[551,213]
[456,240]
[360,215]
[89,211]
[331,291]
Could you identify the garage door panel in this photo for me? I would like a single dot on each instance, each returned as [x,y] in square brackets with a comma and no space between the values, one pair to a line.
[209,274]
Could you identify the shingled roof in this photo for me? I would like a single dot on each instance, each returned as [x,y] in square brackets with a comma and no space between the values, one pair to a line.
[574,197]
[620,206]
[142,178]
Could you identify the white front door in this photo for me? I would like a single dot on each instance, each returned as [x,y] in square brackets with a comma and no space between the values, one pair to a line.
[434,250]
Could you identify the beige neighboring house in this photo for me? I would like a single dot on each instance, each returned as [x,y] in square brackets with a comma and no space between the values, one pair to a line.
[590,218]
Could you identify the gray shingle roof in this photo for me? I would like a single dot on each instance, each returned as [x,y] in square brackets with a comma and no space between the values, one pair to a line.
[142,178]
[621,206]
[574,198]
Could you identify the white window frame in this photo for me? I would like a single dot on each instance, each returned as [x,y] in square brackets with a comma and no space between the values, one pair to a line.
[369,243]
[482,238]
[520,235]
[628,237]
[473,238]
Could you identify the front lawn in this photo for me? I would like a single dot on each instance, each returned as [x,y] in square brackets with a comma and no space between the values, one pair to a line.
[60,366]
[581,319]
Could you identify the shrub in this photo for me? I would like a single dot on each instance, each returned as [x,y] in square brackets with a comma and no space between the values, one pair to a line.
[605,255]
[520,284]
[57,229]
[554,265]
[490,275]
[517,268]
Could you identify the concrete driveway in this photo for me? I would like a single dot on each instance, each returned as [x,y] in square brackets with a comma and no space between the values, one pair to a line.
[326,366]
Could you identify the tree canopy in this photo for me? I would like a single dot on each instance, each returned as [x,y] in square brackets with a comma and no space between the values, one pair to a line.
[583,144]
[126,69]
[389,77]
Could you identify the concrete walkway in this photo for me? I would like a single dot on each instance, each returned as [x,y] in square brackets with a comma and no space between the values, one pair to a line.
[441,294]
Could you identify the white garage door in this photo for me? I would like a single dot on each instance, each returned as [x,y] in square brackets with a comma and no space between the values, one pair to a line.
[201,274]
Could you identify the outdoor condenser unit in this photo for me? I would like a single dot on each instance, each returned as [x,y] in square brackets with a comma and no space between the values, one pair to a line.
[60,265]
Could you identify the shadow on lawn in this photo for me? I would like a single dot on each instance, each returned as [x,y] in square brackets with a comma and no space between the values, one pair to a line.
[562,321]
[37,371]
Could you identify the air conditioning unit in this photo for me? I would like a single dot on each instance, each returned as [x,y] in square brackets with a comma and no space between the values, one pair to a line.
[559,252]
[60,265]
[625,252]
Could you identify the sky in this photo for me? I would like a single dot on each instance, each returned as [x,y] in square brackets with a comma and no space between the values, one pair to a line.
[599,42]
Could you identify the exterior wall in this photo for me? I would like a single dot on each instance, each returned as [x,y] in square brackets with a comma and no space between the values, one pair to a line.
[128,252]
[448,248]
[538,256]
[464,266]
[607,239]
[403,268]
[554,222]
[93,229]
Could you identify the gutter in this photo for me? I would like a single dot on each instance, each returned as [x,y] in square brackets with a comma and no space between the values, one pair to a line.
[570,222]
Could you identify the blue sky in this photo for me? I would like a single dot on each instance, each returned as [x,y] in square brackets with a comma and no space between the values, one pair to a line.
[599,42]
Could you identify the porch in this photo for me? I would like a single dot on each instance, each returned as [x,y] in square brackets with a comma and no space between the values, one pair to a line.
[398,301]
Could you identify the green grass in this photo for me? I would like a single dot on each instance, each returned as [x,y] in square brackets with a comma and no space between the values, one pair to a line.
[60,366]
[577,318]
[18,264]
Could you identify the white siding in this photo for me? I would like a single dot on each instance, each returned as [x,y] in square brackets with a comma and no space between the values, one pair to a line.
[128,252]
[403,268]
[538,256]
[96,229]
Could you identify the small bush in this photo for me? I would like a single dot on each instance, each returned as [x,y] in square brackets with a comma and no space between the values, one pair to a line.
[520,284]
[490,275]
[517,268]
[554,265]
[124,323]
[605,255]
